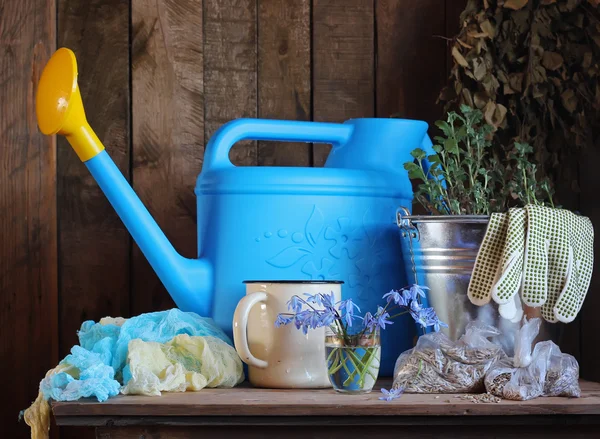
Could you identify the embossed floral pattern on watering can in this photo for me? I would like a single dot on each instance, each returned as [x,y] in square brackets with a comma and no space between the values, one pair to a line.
[340,242]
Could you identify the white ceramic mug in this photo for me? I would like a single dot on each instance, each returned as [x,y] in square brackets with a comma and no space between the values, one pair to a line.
[283,357]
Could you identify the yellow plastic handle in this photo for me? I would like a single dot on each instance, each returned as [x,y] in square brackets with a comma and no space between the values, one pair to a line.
[59,107]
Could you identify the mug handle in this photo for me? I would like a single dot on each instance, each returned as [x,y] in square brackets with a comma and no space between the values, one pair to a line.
[240,328]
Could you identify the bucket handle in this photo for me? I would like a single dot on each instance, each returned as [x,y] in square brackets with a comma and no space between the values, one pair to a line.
[217,150]
[404,222]
[410,232]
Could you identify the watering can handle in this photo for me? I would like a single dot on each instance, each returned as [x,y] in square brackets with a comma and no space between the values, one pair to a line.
[217,150]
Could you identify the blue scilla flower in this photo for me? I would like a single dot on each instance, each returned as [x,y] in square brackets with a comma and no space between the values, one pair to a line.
[283,320]
[327,318]
[390,395]
[314,298]
[369,322]
[415,306]
[420,317]
[382,318]
[347,307]
[314,321]
[438,324]
[295,304]
[417,290]
[396,297]
[407,297]
[348,319]
[426,317]
[328,300]
[300,320]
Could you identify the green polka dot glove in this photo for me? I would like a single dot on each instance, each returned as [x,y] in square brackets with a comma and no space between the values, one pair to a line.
[489,260]
[558,262]
[544,253]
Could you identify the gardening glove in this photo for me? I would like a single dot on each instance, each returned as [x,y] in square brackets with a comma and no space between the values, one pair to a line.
[558,262]
[489,260]
[505,291]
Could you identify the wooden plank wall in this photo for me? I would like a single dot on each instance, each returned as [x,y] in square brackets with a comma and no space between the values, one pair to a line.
[167,129]
[94,245]
[158,78]
[28,238]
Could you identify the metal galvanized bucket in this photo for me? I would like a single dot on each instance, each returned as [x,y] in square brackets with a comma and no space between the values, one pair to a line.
[439,252]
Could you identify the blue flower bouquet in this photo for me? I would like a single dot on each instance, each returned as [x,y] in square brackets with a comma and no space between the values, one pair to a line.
[352,341]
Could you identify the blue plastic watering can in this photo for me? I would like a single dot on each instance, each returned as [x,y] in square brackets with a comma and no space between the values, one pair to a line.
[267,223]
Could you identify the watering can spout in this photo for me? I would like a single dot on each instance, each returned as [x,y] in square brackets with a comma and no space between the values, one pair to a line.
[60,110]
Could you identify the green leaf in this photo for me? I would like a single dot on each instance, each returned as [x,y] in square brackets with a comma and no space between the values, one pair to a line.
[418,153]
[465,109]
[523,148]
[451,146]
[434,159]
[461,133]
[434,168]
[455,207]
[414,171]
[444,126]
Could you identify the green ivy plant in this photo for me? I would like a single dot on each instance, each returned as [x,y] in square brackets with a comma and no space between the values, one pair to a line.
[466,176]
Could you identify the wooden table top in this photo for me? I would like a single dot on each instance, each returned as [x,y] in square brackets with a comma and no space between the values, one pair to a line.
[245,401]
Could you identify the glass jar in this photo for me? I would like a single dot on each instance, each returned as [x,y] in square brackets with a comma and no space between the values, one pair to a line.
[353,360]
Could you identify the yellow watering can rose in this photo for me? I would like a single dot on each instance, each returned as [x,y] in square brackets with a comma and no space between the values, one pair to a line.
[59,107]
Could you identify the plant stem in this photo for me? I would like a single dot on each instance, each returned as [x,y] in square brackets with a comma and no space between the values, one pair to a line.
[399,314]
[336,364]
[526,187]
[361,366]
[549,196]
[437,183]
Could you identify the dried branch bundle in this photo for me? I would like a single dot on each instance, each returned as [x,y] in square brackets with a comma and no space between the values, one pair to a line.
[532,67]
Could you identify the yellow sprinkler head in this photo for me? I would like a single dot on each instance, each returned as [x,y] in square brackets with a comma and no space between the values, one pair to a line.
[59,107]
[57,85]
